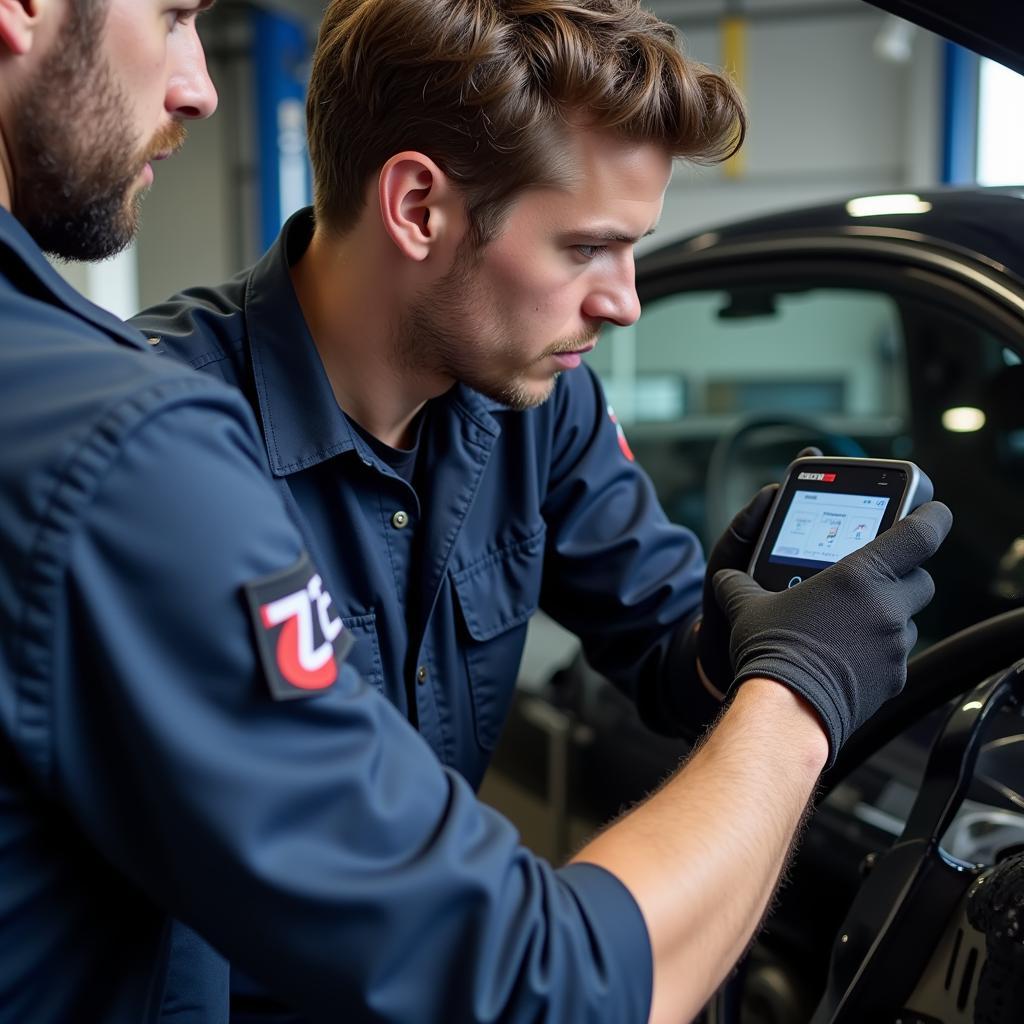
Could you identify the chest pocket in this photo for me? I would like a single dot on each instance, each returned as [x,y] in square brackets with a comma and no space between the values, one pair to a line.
[496,597]
[365,653]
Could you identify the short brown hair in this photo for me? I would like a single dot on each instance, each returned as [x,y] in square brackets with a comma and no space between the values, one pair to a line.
[486,89]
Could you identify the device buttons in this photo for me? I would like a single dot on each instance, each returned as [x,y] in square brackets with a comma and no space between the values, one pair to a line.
[794,581]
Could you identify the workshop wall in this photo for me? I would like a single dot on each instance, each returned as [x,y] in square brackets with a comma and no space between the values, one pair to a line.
[829,117]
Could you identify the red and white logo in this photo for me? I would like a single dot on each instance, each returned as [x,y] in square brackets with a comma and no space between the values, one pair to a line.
[303,662]
[825,478]
[302,642]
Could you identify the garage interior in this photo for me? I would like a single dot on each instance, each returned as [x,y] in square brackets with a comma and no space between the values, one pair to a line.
[894,110]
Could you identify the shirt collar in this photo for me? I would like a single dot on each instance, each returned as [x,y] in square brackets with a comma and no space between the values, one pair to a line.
[302,422]
[17,241]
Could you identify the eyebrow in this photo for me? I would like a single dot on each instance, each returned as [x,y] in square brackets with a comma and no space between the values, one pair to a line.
[611,235]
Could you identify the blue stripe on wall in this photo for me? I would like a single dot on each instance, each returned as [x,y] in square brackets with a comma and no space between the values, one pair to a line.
[960,116]
[281,53]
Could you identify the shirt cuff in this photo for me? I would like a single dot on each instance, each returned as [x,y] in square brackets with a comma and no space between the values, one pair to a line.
[618,934]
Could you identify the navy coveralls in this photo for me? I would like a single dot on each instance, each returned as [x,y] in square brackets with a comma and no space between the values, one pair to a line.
[148,768]
[518,510]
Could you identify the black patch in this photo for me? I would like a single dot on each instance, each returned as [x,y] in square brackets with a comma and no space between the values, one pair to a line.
[301,639]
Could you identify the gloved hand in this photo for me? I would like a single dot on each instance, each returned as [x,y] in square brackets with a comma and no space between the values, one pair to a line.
[734,550]
[842,637]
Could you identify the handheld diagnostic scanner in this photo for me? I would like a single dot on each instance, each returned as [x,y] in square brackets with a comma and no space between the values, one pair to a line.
[829,507]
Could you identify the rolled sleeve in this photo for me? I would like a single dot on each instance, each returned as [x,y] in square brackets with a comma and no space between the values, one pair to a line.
[620,937]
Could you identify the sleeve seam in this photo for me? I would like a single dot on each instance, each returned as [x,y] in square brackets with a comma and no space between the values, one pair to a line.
[74,482]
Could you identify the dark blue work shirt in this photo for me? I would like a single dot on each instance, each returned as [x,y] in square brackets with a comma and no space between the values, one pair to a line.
[157,605]
[517,510]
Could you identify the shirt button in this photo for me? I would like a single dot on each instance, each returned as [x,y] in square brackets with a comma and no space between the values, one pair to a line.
[400,520]
[421,674]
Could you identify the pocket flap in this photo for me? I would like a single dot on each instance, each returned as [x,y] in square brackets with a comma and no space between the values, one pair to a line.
[501,590]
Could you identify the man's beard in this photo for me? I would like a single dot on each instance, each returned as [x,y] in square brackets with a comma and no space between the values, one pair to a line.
[76,159]
[445,334]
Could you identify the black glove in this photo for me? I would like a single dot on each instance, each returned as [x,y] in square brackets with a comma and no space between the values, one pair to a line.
[841,638]
[734,550]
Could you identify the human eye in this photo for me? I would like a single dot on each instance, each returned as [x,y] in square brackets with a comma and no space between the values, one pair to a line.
[589,252]
[180,16]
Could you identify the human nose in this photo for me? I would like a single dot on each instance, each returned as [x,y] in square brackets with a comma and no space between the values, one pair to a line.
[190,91]
[614,299]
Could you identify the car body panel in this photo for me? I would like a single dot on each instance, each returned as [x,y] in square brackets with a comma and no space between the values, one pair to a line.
[986,223]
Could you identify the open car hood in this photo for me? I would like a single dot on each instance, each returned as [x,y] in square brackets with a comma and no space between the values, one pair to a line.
[993,28]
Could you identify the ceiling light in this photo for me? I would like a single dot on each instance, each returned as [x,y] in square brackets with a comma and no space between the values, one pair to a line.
[964,419]
[880,206]
[895,40]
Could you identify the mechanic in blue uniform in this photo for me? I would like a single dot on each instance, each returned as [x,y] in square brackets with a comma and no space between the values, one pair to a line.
[181,736]
[448,476]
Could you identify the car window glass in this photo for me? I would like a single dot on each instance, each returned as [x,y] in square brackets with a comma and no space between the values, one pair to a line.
[718,354]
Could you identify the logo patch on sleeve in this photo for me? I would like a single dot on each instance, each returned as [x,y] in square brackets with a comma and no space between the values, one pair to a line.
[302,641]
[621,435]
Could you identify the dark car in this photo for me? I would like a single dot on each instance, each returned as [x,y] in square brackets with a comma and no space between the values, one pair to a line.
[886,326]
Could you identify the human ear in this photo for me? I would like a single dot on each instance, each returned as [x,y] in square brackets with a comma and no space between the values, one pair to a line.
[19,20]
[419,206]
